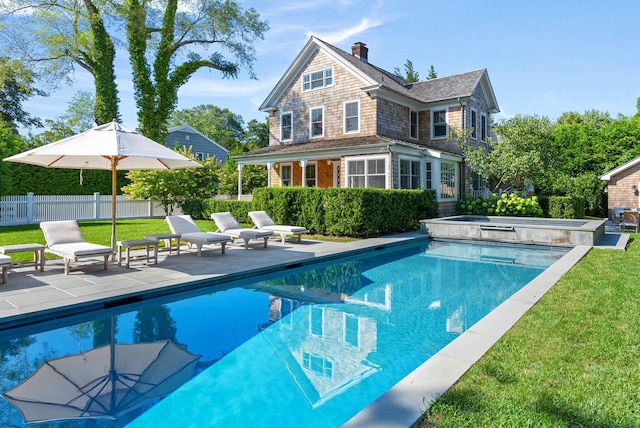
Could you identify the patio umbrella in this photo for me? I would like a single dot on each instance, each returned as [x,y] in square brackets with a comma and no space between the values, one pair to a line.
[108,147]
[105,382]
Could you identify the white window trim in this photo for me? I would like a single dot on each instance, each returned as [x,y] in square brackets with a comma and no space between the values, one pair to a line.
[366,175]
[456,180]
[486,127]
[345,316]
[474,125]
[290,164]
[417,124]
[333,79]
[446,121]
[411,159]
[284,113]
[344,121]
[315,165]
[311,122]
[201,156]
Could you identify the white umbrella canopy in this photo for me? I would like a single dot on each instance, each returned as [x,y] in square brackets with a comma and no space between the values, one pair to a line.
[108,147]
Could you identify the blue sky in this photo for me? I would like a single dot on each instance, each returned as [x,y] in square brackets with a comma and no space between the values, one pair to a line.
[544,57]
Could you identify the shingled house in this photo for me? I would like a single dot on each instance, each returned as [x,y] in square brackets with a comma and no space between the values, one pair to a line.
[185,136]
[336,120]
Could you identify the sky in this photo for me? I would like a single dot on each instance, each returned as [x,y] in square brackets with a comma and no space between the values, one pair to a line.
[544,57]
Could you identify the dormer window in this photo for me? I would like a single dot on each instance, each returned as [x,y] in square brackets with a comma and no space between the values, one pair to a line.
[317,79]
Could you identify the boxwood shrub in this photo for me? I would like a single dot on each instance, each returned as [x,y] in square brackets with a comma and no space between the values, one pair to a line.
[512,205]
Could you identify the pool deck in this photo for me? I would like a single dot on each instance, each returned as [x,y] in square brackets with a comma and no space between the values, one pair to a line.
[31,296]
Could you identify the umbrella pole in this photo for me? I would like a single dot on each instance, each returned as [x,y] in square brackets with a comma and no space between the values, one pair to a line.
[114,164]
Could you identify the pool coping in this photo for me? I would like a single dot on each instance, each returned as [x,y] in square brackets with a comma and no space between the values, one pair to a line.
[403,404]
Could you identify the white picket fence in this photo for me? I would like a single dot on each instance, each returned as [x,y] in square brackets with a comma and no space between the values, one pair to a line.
[30,208]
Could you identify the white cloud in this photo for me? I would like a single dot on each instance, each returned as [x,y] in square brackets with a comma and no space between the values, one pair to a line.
[342,35]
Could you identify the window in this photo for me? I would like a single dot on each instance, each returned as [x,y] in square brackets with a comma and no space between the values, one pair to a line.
[317,79]
[351,329]
[366,173]
[413,127]
[286,126]
[439,124]
[429,175]
[317,364]
[316,323]
[285,175]
[447,180]
[316,119]
[483,127]
[409,174]
[351,117]
[187,137]
[199,156]
[474,124]
[310,174]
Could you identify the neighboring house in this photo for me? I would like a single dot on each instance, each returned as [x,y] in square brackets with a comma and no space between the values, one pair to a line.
[623,185]
[201,145]
[336,120]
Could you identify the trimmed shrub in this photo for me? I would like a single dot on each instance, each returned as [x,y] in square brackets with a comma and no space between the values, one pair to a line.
[566,206]
[357,212]
[511,205]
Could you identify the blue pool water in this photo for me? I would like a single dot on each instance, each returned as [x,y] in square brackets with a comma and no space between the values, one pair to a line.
[308,348]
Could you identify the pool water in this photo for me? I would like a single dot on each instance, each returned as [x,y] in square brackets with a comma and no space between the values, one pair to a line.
[311,347]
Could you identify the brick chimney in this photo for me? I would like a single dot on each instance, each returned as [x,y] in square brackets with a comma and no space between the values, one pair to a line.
[360,50]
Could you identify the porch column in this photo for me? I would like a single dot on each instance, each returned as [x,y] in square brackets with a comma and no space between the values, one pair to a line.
[303,165]
[240,165]
[269,168]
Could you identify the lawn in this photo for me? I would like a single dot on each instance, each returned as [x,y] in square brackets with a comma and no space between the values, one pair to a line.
[573,360]
[99,232]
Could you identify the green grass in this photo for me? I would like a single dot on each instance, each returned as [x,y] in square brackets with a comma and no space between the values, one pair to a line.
[99,232]
[573,360]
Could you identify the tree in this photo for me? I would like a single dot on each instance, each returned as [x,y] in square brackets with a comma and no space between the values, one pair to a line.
[253,176]
[10,144]
[257,135]
[171,187]
[16,86]
[410,75]
[221,125]
[164,33]
[58,35]
[77,118]
[522,154]
[432,73]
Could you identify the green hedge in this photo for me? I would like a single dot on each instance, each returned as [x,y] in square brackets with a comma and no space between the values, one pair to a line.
[566,207]
[341,212]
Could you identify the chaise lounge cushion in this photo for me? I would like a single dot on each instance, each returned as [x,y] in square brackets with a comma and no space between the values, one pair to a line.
[228,225]
[190,232]
[262,221]
[61,232]
[81,249]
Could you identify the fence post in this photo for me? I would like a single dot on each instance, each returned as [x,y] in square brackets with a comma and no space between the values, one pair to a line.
[29,207]
[96,205]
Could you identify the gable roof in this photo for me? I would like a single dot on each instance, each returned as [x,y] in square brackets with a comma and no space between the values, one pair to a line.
[191,130]
[377,79]
[618,170]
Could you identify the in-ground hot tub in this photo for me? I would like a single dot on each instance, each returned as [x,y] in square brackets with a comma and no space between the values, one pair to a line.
[530,230]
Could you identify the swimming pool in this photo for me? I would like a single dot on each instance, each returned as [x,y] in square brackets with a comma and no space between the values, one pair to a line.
[311,347]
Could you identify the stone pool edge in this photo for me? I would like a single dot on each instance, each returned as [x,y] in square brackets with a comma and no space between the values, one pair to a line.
[403,404]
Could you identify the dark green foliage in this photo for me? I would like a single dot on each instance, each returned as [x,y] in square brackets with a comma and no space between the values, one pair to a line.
[566,207]
[53,181]
[347,212]
[238,209]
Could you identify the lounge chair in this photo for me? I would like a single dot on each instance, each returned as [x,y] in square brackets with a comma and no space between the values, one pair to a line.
[230,226]
[630,221]
[617,214]
[191,234]
[65,239]
[5,262]
[263,222]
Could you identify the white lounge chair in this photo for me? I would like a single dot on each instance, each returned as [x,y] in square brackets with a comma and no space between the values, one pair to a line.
[263,222]
[228,225]
[191,234]
[65,239]
[5,262]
